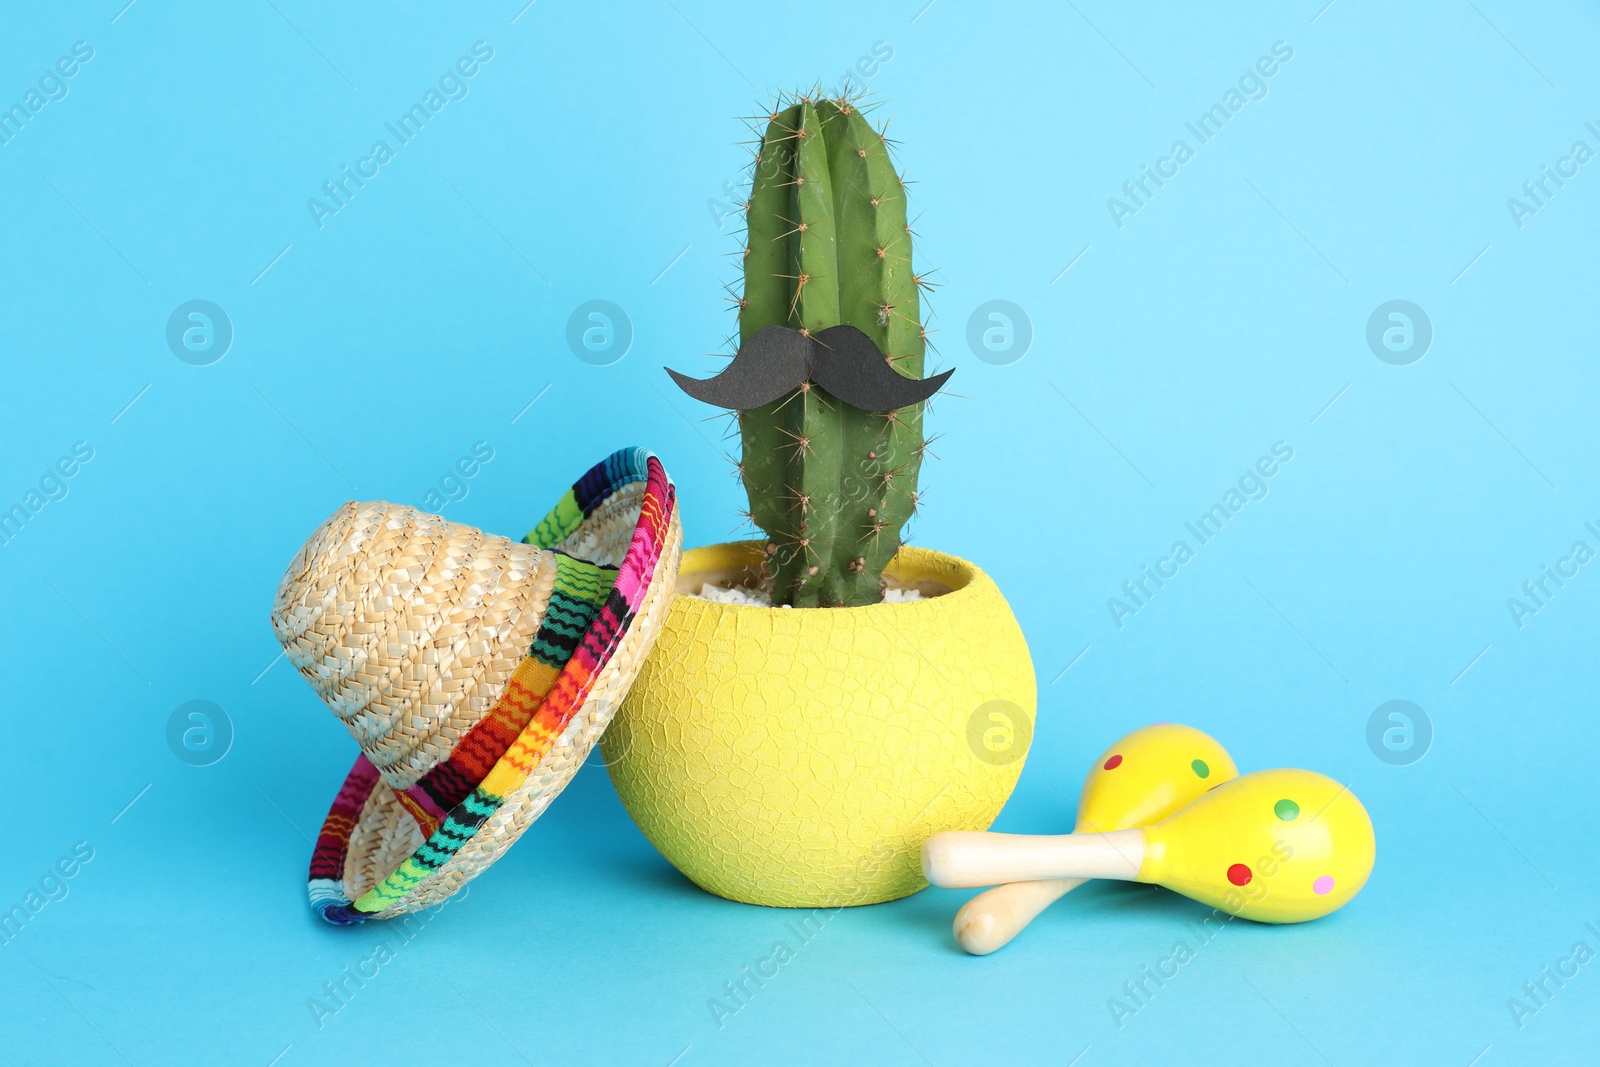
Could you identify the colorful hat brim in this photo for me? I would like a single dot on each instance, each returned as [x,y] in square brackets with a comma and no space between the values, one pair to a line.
[607,626]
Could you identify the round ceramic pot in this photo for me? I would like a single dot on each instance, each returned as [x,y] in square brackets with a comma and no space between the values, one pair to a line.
[800,757]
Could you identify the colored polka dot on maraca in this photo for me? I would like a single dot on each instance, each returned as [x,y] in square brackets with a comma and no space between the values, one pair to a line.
[1200,768]
[1239,874]
[1114,762]
[1323,886]
[1287,810]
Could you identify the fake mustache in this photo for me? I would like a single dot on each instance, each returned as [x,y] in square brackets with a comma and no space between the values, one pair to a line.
[841,359]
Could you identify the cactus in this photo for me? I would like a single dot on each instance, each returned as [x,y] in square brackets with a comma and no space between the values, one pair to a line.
[828,244]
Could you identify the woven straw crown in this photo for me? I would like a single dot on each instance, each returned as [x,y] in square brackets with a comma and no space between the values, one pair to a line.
[408,627]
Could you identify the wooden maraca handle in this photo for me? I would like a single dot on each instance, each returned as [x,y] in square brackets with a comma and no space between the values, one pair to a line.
[992,918]
[966,859]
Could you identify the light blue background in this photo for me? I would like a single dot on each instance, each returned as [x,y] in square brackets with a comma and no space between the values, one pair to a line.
[586,163]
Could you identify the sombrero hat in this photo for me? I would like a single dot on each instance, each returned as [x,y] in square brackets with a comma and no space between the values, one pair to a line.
[475,673]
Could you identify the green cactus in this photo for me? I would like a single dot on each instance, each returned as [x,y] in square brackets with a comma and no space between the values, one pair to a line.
[827,245]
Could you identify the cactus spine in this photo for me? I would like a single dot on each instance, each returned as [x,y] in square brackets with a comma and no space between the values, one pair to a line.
[828,244]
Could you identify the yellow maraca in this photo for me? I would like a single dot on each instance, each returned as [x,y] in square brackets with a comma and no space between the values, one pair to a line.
[1142,778]
[1277,846]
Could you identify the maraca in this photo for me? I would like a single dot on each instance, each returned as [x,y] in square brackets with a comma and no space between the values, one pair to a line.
[1142,778]
[1277,846]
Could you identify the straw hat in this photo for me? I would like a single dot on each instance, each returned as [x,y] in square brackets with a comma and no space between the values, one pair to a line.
[474,673]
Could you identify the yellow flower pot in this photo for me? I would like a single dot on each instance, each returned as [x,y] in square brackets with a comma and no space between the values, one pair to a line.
[800,757]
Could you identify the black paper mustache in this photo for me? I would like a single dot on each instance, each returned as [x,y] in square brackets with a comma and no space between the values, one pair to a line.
[841,359]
